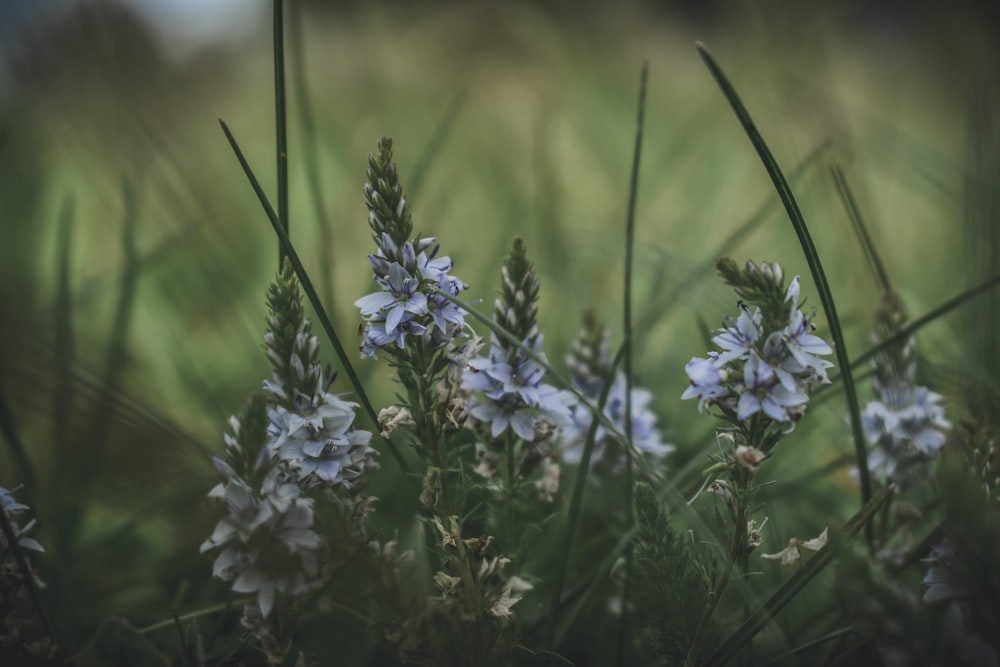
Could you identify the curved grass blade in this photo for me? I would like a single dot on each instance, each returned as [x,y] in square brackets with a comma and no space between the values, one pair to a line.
[281,126]
[815,266]
[310,292]
[860,228]
[752,625]
[627,349]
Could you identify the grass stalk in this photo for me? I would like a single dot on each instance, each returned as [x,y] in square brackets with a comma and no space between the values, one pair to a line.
[627,353]
[281,126]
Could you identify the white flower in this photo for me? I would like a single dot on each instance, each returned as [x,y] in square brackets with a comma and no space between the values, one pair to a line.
[790,554]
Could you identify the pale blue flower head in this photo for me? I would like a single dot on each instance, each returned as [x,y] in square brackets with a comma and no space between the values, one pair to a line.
[707,377]
[318,445]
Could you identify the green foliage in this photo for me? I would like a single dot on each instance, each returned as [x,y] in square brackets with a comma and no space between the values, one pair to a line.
[671,586]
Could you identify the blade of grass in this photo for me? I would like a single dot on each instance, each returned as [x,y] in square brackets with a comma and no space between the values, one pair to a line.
[180,635]
[310,293]
[815,267]
[627,348]
[281,133]
[860,228]
[752,625]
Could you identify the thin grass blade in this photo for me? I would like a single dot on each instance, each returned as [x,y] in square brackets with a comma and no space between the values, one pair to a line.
[627,350]
[281,126]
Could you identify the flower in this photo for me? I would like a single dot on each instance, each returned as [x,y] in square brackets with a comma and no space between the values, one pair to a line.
[266,539]
[707,376]
[906,425]
[319,445]
[942,579]
[791,554]
[512,395]
[768,357]
[412,278]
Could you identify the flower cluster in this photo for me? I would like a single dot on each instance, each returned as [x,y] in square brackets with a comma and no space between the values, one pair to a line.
[265,534]
[506,386]
[292,439]
[768,355]
[310,429]
[907,424]
[591,367]
[412,278]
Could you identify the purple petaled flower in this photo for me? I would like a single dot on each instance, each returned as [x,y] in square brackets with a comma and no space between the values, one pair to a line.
[318,445]
[266,539]
[767,363]
[399,298]
[706,376]
[904,433]
[763,392]
[512,395]
[409,302]
[737,339]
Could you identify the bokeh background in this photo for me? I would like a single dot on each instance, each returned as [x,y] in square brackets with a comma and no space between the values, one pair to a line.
[134,256]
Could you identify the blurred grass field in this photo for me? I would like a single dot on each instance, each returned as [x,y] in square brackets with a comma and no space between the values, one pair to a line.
[134,257]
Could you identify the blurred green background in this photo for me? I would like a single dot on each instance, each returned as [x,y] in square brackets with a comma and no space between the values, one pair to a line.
[134,256]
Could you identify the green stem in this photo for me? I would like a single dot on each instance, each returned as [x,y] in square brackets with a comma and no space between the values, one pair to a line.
[281,133]
[737,556]
[627,361]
